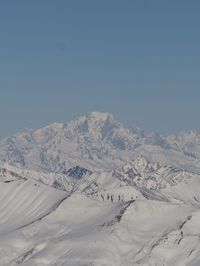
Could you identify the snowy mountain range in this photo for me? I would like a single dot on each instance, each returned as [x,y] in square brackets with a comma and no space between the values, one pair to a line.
[96,141]
[92,192]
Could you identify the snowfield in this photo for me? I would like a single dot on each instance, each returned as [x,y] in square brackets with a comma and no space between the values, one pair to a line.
[93,193]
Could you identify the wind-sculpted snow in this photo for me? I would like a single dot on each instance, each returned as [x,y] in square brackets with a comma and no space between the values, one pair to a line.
[82,231]
[23,202]
[94,193]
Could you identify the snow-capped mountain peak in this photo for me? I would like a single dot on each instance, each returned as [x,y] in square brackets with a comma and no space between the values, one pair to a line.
[94,183]
[100,116]
[95,141]
[93,124]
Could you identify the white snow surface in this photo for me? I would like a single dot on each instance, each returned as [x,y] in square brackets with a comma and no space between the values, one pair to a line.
[93,193]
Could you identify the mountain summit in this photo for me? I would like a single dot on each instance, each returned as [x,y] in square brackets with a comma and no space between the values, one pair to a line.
[94,141]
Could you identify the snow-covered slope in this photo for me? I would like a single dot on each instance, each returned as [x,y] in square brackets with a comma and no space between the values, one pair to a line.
[82,231]
[24,202]
[187,142]
[92,192]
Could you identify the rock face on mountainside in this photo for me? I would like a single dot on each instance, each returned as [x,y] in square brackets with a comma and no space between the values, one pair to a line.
[92,192]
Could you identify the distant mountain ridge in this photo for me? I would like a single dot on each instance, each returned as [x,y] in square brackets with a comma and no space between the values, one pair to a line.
[96,141]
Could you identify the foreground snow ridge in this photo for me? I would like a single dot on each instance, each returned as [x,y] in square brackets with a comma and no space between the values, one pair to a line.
[94,193]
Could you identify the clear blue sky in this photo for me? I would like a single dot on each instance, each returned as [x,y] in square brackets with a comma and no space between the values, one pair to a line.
[137,59]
